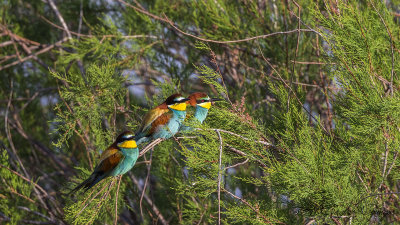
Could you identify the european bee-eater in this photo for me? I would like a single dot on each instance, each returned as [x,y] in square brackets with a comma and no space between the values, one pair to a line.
[116,160]
[164,120]
[202,103]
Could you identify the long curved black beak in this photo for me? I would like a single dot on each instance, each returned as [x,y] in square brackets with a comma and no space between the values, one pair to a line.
[216,99]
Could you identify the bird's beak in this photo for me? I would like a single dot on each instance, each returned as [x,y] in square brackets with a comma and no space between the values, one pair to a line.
[216,99]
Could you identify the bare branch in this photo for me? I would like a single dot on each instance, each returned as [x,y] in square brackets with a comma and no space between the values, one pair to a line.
[384,163]
[146,181]
[391,47]
[116,200]
[102,199]
[6,43]
[149,201]
[58,14]
[219,175]
[244,138]
[46,49]
[244,154]
[150,146]
[391,166]
[254,209]
[237,164]
[84,207]
[168,21]
[294,93]
[34,212]
[78,34]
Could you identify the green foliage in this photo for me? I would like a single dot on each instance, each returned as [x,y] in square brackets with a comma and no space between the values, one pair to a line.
[95,206]
[308,131]
[15,193]
[94,98]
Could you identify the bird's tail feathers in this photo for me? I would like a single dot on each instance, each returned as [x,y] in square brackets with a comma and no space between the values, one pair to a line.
[88,183]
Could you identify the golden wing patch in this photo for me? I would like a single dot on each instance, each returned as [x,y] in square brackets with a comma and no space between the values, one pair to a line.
[151,116]
[161,120]
[108,152]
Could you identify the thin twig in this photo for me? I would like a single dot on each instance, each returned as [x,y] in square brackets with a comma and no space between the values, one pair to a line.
[237,164]
[242,137]
[38,195]
[219,175]
[34,212]
[146,181]
[38,145]
[168,21]
[362,181]
[236,41]
[4,44]
[102,199]
[391,166]
[79,62]
[7,129]
[313,63]
[294,93]
[391,47]
[46,49]
[149,201]
[116,200]
[93,189]
[296,52]
[36,187]
[244,154]
[78,34]
[12,190]
[59,16]
[150,146]
[80,17]
[87,143]
[254,209]
[79,213]
[384,164]
[372,195]
[214,61]
[24,178]
[16,37]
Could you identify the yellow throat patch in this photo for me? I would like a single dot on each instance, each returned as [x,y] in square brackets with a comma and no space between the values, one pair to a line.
[179,106]
[206,105]
[128,144]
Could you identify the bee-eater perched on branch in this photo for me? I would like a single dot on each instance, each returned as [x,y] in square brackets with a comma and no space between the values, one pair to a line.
[116,160]
[202,103]
[164,120]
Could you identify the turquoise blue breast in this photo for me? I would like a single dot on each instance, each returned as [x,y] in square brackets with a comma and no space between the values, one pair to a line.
[200,114]
[173,125]
[127,162]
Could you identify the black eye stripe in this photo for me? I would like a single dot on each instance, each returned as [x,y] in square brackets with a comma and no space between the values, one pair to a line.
[202,101]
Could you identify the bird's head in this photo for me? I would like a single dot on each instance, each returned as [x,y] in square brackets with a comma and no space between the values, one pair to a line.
[201,99]
[126,140]
[177,102]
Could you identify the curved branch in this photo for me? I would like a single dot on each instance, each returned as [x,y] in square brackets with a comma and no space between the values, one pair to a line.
[168,21]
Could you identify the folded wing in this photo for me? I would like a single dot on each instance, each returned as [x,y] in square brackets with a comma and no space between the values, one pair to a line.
[109,159]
